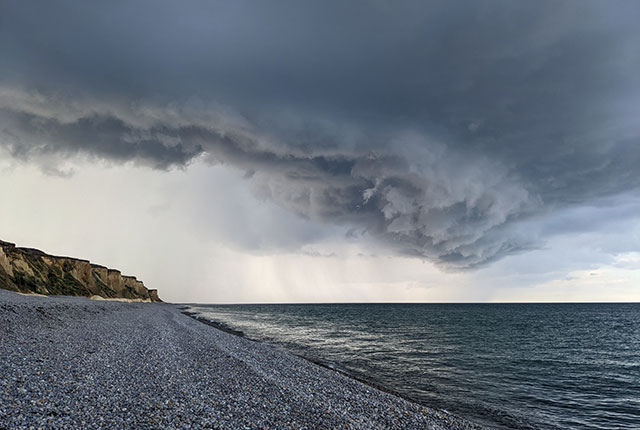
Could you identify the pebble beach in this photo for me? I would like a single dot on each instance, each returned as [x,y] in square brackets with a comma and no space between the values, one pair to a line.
[71,362]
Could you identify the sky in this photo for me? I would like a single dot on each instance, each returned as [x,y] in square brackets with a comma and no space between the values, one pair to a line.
[329,151]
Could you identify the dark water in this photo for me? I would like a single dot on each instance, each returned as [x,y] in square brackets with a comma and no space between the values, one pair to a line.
[521,366]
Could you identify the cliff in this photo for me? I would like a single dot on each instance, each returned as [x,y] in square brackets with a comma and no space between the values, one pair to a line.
[29,270]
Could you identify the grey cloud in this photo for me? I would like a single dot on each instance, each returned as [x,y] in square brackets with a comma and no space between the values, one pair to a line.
[316,253]
[438,129]
[416,206]
[26,136]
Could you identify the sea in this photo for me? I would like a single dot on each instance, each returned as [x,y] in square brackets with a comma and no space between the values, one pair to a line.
[506,366]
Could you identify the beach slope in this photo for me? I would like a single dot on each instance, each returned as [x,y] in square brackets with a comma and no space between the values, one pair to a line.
[70,362]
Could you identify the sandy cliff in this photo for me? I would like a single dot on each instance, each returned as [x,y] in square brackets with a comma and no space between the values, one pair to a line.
[29,270]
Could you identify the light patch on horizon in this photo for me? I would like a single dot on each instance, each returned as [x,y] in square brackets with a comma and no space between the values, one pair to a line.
[604,284]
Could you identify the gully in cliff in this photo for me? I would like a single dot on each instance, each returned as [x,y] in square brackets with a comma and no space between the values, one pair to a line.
[27,270]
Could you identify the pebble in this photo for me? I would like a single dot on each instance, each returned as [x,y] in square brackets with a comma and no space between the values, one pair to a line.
[69,362]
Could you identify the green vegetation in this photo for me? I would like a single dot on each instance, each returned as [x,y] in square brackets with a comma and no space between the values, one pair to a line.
[27,283]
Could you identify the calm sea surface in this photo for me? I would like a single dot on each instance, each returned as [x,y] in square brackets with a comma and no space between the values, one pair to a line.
[519,366]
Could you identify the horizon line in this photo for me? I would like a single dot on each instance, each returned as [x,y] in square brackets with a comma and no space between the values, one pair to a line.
[404,303]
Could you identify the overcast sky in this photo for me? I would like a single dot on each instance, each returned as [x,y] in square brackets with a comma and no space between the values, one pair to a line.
[329,151]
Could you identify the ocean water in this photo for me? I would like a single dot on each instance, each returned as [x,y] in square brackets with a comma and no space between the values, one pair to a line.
[512,366]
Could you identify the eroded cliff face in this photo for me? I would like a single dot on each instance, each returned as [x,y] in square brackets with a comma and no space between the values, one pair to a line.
[29,270]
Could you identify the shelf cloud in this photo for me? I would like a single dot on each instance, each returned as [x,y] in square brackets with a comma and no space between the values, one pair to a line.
[440,131]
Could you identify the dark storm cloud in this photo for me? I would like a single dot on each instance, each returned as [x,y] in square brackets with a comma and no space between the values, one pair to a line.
[100,136]
[433,127]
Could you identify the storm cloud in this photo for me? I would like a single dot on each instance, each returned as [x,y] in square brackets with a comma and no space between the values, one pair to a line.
[440,130]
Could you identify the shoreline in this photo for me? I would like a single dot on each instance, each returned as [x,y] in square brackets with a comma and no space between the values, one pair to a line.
[373,384]
[74,362]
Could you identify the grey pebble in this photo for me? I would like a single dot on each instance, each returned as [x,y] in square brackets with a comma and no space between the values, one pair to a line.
[69,362]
